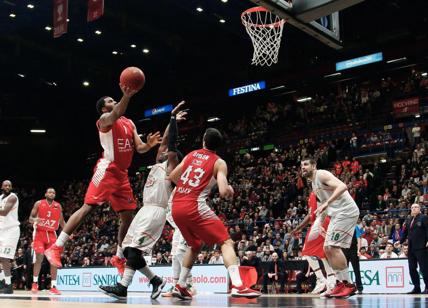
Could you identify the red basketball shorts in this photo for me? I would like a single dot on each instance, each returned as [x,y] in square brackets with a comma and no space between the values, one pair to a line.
[110,184]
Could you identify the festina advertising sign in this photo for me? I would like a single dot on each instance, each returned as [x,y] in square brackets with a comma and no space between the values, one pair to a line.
[248,88]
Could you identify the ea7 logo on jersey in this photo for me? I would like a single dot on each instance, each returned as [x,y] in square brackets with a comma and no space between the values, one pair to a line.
[125,145]
[47,223]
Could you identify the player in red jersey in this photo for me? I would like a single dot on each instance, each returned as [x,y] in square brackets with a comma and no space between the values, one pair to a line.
[110,183]
[195,176]
[313,249]
[46,217]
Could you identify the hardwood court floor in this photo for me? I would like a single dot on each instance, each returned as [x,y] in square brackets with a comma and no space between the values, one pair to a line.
[23,299]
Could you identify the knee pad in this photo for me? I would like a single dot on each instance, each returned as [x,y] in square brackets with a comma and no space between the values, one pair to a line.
[134,258]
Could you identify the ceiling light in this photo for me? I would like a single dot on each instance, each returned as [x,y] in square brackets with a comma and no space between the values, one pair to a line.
[51,83]
[133,46]
[80,40]
[98,32]
[38,131]
[277,88]
[12,15]
[68,19]
[333,75]
[222,21]
[145,50]
[397,60]
[86,83]
[21,75]
[199,9]
[424,74]
[114,52]
[30,6]
[224,1]
[417,116]
[304,99]
[213,119]
[47,28]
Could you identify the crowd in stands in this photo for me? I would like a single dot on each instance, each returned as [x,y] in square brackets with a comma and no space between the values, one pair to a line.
[270,194]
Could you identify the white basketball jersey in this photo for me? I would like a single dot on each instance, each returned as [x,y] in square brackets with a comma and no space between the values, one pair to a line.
[11,219]
[169,211]
[157,188]
[344,204]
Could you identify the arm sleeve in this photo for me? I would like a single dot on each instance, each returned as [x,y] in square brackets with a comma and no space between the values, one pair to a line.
[172,135]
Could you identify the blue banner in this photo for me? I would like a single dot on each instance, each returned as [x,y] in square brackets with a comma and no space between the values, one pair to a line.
[157,110]
[248,88]
[375,57]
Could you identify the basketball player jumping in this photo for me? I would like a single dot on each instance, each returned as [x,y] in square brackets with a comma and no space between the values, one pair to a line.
[46,217]
[194,177]
[110,183]
[9,233]
[343,211]
[313,249]
[147,225]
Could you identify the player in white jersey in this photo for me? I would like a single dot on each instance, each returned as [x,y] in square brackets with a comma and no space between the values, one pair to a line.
[338,204]
[9,233]
[146,227]
[179,248]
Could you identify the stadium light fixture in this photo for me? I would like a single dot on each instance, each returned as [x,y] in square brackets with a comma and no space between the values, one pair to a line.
[304,99]
[397,60]
[38,131]
[213,119]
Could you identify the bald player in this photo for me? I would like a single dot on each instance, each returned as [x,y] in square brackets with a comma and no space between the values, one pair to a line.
[9,233]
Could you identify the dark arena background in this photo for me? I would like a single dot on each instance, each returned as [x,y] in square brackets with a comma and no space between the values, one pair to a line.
[342,81]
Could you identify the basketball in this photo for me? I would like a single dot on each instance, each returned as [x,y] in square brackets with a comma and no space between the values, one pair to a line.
[133,77]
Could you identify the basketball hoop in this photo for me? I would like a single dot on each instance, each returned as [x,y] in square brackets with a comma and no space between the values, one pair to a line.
[265,31]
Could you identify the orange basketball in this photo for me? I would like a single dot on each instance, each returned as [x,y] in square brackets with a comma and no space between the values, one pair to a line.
[133,78]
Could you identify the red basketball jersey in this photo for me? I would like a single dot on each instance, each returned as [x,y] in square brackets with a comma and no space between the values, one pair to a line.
[312,206]
[48,215]
[118,142]
[197,177]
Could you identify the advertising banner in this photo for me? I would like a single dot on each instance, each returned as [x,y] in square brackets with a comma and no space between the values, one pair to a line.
[206,279]
[406,107]
[386,276]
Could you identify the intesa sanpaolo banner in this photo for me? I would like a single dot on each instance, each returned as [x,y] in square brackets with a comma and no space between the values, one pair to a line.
[386,276]
[206,279]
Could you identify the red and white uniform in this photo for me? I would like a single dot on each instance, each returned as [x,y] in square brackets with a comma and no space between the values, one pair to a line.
[110,180]
[190,211]
[314,248]
[44,235]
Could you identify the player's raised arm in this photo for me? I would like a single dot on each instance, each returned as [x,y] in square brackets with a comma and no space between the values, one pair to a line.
[220,169]
[169,137]
[34,212]
[108,118]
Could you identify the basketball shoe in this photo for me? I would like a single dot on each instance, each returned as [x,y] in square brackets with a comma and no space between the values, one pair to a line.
[53,254]
[243,291]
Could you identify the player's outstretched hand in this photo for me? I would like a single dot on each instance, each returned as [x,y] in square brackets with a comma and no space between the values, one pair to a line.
[177,108]
[181,116]
[154,139]
[127,91]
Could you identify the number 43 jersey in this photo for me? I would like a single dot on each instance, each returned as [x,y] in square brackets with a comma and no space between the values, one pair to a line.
[197,177]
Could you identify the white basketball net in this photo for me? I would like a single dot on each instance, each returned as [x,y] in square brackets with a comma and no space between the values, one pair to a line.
[265,31]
